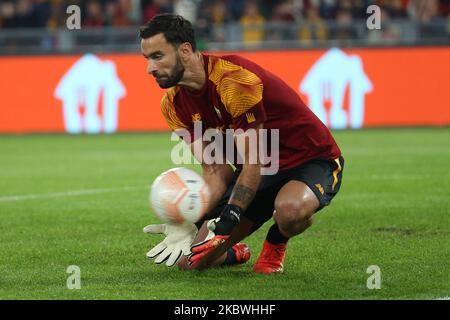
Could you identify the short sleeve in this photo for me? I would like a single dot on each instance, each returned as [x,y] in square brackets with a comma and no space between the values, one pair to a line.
[175,123]
[169,113]
[240,91]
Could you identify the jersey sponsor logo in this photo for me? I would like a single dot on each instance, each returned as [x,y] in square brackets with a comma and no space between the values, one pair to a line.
[196,117]
[89,81]
[328,81]
[250,117]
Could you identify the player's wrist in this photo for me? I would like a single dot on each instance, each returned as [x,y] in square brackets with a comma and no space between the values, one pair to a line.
[229,218]
[233,210]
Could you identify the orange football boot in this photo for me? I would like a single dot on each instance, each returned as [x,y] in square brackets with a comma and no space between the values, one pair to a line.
[271,258]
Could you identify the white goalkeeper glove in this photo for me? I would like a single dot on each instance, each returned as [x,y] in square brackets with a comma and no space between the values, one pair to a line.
[177,242]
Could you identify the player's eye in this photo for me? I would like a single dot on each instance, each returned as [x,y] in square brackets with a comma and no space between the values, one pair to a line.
[156,56]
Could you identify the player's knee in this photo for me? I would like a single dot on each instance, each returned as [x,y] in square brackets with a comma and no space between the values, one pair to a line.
[292,217]
[288,212]
[291,210]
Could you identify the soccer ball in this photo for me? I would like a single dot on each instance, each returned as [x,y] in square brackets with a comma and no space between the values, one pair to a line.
[179,195]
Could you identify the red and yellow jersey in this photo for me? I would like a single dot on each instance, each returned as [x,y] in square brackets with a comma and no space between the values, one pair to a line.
[239,94]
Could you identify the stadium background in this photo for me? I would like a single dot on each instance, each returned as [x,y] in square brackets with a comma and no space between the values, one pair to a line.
[81,199]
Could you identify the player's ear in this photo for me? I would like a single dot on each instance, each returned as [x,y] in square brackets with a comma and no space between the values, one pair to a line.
[185,50]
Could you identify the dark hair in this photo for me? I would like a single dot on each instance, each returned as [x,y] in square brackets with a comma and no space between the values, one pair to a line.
[176,29]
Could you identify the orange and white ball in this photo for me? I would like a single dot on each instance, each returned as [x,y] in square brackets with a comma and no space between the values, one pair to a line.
[179,195]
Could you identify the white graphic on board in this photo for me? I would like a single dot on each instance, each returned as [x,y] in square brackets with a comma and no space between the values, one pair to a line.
[83,85]
[328,79]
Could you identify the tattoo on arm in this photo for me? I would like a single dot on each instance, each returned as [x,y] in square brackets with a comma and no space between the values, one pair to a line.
[242,194]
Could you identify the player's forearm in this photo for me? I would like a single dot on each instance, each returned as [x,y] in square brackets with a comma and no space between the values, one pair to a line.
[246,186]
[217,177]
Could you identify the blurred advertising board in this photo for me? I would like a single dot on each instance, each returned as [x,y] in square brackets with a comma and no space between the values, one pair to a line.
[346,88]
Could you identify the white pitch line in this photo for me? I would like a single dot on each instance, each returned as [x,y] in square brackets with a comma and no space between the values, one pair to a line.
[444,298]
[65,194]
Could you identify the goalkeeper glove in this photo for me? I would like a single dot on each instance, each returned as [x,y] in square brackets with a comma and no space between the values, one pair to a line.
[177,242]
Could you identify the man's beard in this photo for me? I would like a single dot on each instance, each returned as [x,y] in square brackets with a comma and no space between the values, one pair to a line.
[175,76]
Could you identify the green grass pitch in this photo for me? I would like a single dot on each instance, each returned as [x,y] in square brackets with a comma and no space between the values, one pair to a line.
[83,200]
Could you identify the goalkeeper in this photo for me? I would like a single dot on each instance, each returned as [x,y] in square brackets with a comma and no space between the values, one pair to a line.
[230,92]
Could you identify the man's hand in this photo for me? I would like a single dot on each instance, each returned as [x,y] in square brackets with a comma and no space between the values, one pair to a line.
[177,242]
[212,241]
[219,231]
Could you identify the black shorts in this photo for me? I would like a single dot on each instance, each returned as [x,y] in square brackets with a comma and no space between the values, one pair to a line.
[323,177]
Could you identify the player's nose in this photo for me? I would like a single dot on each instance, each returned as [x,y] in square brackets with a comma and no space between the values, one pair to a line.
[152,69]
